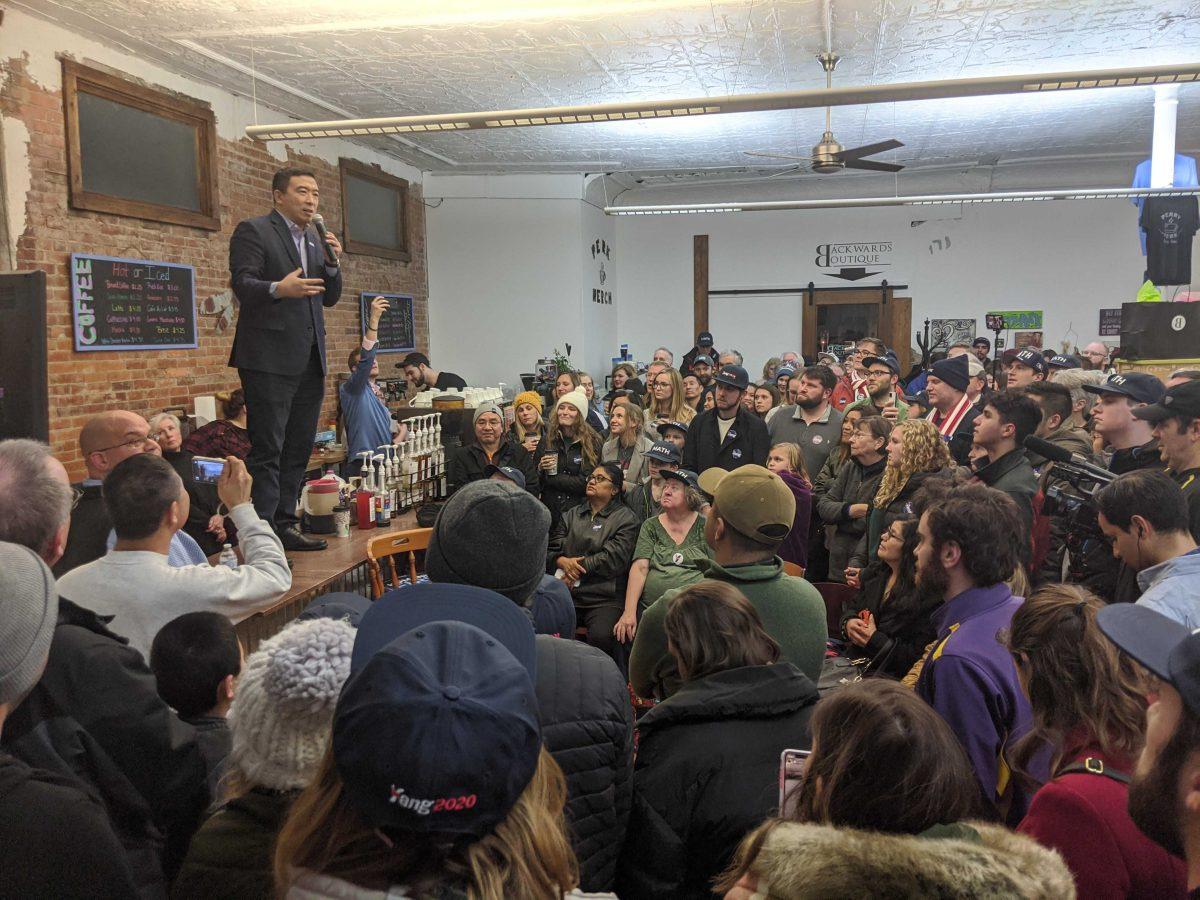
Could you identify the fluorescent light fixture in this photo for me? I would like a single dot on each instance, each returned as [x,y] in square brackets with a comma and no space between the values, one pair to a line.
[670,209]
[706,106]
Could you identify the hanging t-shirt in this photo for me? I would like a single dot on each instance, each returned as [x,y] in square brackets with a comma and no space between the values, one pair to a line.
[1170,224]
[1184,176]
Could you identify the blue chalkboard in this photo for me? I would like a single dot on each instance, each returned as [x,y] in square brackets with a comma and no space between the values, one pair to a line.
[397,330]
[132,304]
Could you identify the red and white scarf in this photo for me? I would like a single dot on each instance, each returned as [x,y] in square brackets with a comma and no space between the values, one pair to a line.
[948,425]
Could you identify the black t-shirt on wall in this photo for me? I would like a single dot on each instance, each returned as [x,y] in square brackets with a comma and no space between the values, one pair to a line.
[1169,223]
[447,380]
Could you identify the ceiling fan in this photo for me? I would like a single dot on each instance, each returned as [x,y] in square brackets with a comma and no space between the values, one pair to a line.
[829,156]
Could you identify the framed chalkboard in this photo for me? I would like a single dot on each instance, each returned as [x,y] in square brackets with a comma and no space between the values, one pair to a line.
[132,304]
[397,331]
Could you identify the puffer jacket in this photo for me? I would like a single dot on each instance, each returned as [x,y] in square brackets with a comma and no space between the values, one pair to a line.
[605,541]
[854,483]
[587,726]
[707,772]
[566,489]
[805,861]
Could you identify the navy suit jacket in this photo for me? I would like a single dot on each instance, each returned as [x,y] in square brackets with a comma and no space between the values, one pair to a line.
[275,334]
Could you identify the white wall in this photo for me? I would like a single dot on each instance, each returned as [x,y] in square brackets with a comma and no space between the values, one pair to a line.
[1067,258]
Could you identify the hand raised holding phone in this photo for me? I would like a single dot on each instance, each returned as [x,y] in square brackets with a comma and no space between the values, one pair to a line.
[233,487]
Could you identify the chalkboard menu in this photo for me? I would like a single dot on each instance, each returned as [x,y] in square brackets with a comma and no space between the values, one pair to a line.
[1110,322]
[132,304]
[397,331]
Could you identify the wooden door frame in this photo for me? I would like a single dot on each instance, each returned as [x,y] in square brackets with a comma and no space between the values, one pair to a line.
[894,312]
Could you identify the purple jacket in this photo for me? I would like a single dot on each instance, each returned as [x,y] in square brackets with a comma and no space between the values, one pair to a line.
[794,548]
[970,679]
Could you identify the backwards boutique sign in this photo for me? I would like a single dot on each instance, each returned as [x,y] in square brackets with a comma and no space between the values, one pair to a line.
[854,260]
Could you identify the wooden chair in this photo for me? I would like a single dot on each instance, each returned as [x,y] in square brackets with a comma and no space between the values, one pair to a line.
[390,545]
[792,569]
[834,595]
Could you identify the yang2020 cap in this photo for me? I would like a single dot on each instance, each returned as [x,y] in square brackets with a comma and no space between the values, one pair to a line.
[733,376]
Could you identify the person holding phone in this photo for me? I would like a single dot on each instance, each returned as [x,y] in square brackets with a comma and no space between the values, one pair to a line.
[708,755]
[368,420]
[205,522]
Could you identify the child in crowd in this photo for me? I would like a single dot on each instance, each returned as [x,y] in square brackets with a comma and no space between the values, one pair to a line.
[196,659]
[786,461]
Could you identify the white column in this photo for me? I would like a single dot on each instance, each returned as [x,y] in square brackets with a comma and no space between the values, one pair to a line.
[1162,156]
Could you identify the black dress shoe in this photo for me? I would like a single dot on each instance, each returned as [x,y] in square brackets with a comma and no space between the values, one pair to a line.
[292,539]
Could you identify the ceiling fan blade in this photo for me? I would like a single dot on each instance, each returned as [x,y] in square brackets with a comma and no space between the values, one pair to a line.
[870,149]
[872,165]
[774,155]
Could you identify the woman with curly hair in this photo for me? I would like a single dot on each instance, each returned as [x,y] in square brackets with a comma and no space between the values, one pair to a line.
[916,453]
[667,402]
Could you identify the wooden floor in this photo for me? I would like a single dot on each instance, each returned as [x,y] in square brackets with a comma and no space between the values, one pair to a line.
[342,566]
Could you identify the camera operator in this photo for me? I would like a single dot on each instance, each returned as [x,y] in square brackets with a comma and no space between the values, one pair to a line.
[1144,515]
[1176,427]
[1133,447]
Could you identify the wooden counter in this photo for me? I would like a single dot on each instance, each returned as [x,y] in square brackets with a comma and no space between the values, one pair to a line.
[342,566]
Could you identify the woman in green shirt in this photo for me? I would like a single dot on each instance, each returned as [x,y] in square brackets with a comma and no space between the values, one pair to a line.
[667,547]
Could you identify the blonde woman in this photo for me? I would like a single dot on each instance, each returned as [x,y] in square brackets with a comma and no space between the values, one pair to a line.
[667,403]
[527,429]
[627,442]
[568,453]
[915,453]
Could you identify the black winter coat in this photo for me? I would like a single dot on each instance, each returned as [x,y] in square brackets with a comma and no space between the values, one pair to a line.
[880,520]
[587,726]
[747,441]
[96,716]
[707,772]
[1013,475]
[566,489]
[606,542]
[853,483]
[469,463]
[904,624]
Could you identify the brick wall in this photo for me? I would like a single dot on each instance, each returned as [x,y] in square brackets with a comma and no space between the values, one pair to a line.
[146,381]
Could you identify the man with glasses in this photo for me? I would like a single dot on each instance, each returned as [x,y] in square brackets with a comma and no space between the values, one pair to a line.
[104,442]
[1095,356]
[883,392]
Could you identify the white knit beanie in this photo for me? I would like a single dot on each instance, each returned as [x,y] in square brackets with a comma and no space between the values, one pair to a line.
[577,398]
[283,711]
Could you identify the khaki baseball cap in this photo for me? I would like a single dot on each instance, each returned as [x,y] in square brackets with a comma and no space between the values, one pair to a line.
[754,501]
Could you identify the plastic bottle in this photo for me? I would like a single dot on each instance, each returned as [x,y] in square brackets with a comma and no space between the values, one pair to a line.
[228,557]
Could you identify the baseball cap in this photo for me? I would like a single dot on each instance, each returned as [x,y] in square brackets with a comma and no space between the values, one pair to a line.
[1031,358]
[1059,361]
[734,376]
[687,476]
[671,423]
[703,360]
[753,500]
[406,608]
[1181,400]
[704,339]
[344,605]
[663,451]
[974,366]
[1139,386]
[438,732]
[515,475]
[1167,648]
[886,360]
[785,370]
[981,342]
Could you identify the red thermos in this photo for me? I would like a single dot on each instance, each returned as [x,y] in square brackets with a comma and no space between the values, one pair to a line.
[365,508]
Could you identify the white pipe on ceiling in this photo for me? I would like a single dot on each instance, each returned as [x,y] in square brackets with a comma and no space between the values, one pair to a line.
[1162,154]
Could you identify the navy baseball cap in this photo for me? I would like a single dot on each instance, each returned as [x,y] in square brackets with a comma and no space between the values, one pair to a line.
[403,609]
[886,360]
[704,339]
[516,476]
[733,376]
[344,605]
[1059,361]
[1034,359]
[981,342]
[1181,400]
[1141,387]
[680,426]
[663,451]
[702,360]
[687,476]
[438,732]
[1167,648]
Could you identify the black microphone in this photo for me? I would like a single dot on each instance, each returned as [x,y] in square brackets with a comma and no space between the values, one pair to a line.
[319,224]
[1057,454]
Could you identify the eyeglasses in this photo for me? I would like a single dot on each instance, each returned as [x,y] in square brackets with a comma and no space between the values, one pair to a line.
[597,479]
[76,496]
[143,440]
[879,373]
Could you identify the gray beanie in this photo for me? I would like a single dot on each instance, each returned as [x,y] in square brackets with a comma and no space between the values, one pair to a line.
[29,604]
[283,711]
[487,408]
[491,534]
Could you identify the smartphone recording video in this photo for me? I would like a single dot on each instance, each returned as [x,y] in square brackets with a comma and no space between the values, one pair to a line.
[207,469]
[792,764]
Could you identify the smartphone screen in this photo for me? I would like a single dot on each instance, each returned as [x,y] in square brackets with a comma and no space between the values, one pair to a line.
[792,764]
[207,468]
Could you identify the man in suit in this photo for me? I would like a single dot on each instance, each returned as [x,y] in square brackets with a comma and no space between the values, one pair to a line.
[283,281]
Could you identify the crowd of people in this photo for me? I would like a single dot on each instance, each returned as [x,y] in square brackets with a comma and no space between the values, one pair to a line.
[1021,718]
